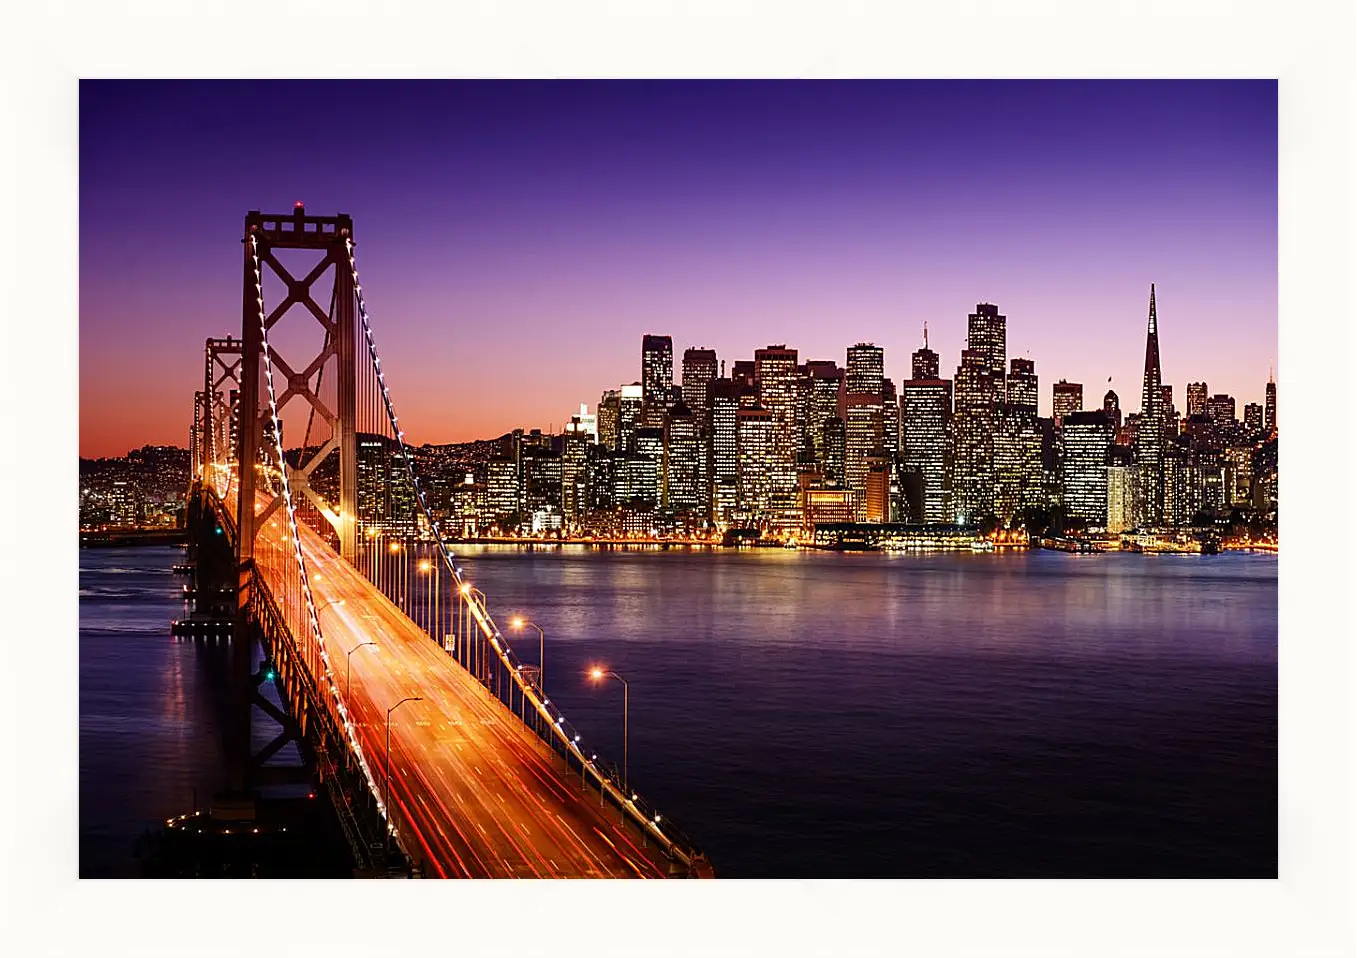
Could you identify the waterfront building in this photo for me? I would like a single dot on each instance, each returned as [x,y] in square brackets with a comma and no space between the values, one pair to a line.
[1017,445]
[1086,437]
[1120,494]
[1065,399]
[1184,485]
[657,378]
[877,507]
[1149,443]
[1196,399]
[542,479]
[925,441]
[821,505]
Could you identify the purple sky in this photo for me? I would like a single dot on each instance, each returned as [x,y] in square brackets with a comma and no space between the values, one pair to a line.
[516,239]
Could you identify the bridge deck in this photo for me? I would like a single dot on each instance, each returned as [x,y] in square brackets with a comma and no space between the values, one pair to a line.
[474,791]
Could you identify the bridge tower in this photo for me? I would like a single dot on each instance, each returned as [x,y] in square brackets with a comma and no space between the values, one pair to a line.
[327,237]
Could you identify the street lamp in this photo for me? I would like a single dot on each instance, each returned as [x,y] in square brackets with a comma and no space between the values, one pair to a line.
[387,776]
[348,661]
[517,623]
[597,673]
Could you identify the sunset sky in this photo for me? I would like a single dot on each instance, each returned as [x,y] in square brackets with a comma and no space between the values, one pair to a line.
[516,239]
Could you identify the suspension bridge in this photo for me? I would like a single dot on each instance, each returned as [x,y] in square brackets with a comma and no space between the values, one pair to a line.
[313,538]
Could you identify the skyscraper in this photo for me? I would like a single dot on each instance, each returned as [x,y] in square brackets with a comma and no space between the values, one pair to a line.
[890,420]
[630,403]
[1149,444]
[723,397]
[1065,399]
[610,419]
[924,361]
[755,438]
[1112,409]
[1119,495]
[986,332]
[834,441]
[979,397]
[775,369]
[864,424]
[1017,445]
[699,368]
[657,378]
[925,428]
[1196,399]
[682,462]
[1087,437]
[1270,405]
[822,405]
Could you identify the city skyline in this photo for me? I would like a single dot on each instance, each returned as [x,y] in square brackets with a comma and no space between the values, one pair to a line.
[576,217]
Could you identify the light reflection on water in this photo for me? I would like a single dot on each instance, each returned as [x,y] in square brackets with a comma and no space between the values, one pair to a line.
[808,714]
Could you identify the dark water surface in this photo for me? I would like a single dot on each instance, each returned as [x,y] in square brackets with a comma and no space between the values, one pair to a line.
[819,715]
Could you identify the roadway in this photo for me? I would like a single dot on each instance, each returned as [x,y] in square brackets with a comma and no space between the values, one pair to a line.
[474,793]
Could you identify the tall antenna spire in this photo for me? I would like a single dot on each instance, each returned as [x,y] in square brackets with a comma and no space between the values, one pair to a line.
[1269,372]
[925,334]
[1154,322]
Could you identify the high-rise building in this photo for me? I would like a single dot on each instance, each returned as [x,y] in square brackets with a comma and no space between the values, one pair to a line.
[584,421]
[863,438]
[682,460]
[1170,411]
[822,405]
[986,332]
[1120,496]
[742,372]
[925,447]
[890,419]
[865,369]
[1220,409]
[723,398]
[974,423]
[775,369]
[1017,445]
[542,479]
[1086,437]
[1270,405]
[1149,444]
[1196,399]
[877,507]
[501,489]
[610,419]
[834,441]
[1253,419]
[755,437]
[1112,409]
[650,445]
[924,362]
[699,368]
[1065,399]
[575,474]
[631,399]
[657,378]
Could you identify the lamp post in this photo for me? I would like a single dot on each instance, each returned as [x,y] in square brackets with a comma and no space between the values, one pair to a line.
[348,663]
[467,592]
[518,623]
[598,673]
[387,775]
